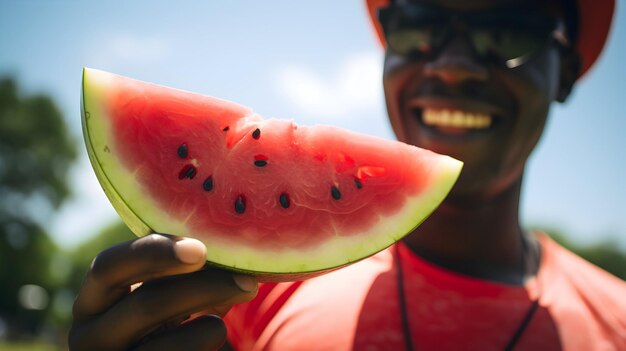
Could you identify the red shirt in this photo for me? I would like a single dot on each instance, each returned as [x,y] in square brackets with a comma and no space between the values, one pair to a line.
[581,307]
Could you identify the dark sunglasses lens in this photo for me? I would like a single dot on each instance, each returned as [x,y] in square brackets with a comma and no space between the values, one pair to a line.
[410,41]
[507,43]
[411,30]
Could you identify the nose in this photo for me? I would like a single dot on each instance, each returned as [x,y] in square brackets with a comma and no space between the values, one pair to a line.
[456,63]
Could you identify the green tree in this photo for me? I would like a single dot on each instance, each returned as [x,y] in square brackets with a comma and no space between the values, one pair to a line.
[36,152]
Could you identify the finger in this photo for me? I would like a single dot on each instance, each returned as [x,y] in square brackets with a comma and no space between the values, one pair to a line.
[160,301]
[115,269]
[202,333]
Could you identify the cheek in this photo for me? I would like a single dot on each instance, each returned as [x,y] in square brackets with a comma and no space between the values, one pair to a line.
[535,86]
[398,78]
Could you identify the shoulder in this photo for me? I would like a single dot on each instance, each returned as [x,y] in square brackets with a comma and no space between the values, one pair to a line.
[560,263]
[582,297]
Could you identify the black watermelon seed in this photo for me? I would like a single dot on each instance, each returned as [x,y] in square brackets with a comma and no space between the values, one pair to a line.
[208,184]
[182,151]
[225,129]
[189,171]
[358,183]
[260,163]
[335,193]
[256,134]
[240,204]
[283,199]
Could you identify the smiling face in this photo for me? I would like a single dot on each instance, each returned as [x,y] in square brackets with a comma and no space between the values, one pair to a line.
[468,106]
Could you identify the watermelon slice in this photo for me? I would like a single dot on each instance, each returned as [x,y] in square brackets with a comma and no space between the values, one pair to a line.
[267,197]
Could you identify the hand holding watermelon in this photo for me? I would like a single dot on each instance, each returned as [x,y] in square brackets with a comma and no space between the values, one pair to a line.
[267,198]
[176,284]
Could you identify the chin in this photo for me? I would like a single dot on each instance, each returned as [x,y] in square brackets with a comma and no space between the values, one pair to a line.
[482,186]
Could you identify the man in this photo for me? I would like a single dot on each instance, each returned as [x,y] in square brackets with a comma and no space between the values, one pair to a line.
[471,79]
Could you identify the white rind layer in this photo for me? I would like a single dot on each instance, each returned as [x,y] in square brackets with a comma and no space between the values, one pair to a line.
[139,212]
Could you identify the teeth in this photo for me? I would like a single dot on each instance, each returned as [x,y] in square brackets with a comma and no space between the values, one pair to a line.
[456,119]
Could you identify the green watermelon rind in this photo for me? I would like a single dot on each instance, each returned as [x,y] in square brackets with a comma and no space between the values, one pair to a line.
[138,211]
[129,217]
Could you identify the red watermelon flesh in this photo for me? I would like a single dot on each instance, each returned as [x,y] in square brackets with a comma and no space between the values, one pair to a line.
[266,196]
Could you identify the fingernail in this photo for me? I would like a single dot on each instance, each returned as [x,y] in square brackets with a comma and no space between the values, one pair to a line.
[190,251]
[246,282]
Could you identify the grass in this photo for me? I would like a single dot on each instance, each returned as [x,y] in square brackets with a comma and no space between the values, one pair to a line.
[28,346]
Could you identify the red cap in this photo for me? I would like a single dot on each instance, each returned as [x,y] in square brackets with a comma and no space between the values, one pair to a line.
[595,17]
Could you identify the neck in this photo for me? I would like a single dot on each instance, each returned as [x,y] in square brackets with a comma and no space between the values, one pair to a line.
[481,238]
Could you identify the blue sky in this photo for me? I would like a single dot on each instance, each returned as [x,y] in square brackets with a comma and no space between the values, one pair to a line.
[315,62]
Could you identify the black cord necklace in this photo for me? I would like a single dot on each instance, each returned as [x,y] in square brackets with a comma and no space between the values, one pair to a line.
[406,330]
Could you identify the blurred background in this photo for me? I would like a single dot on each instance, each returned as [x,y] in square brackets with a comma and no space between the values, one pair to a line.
[315,62]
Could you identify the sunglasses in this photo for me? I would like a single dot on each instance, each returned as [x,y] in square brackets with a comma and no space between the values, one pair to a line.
[504,36]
